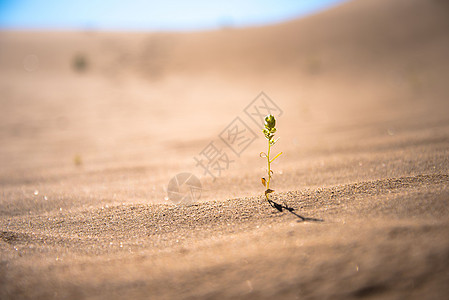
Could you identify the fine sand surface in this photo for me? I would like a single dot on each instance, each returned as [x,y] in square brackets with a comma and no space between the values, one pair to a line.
[93,125]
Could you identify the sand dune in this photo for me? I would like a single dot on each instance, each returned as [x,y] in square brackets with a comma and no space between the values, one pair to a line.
[93,125]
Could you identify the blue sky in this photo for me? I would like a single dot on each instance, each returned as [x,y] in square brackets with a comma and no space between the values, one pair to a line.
[151,15]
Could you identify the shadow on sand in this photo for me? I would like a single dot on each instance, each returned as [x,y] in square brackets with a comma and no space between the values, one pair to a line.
[280,208]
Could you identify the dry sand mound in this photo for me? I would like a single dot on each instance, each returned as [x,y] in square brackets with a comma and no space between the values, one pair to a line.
[93,125]
[382,238]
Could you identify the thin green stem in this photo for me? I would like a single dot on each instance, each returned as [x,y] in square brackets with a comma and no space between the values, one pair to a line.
[270,129]
[269,167]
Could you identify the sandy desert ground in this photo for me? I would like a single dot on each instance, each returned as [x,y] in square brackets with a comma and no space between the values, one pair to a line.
[93,125]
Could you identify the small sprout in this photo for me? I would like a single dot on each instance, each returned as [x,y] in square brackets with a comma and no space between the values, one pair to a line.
[269,131]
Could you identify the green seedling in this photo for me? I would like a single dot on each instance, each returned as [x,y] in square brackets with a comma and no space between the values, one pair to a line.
[269,131]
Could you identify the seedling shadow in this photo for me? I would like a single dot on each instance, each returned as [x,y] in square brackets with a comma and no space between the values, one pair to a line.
[281,207]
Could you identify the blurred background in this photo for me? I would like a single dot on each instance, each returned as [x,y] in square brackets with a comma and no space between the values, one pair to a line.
[105,101]
[151,15]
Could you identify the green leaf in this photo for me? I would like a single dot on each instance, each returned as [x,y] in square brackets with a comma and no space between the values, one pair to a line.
[276,157]
[270,121]
[269,191]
